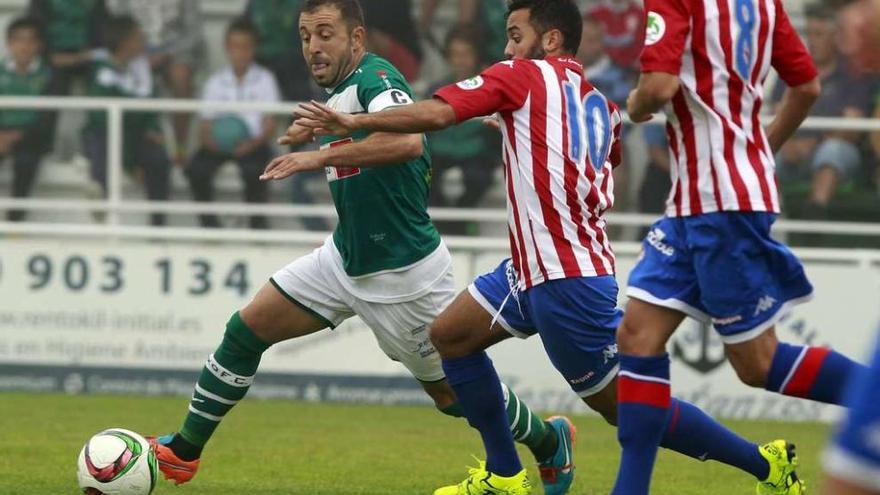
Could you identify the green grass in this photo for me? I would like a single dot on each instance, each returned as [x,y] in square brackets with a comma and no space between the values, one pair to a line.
[275,447]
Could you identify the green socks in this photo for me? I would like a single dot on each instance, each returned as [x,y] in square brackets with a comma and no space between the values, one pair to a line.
[528,428]
[225,379]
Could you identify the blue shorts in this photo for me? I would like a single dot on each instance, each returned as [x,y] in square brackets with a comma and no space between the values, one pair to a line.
[722,268]
[577,320]
[854,456]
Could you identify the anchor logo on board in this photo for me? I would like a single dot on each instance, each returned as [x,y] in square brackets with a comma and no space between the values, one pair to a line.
[698,346]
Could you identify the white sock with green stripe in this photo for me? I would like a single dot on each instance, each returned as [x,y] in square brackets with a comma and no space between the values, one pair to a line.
[225,379]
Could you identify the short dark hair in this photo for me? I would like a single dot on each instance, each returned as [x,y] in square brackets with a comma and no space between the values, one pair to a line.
[117,30]
[466,33]
[351,10]
[242,25]
[546,15]
[31,23]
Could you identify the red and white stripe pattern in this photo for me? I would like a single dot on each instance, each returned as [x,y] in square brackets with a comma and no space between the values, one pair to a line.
[803,373]
[633,388]
[555,205]
[721,157]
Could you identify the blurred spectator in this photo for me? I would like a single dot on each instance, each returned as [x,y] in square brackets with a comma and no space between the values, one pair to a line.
[391,34]
[602,72]
[241,137]
[279,48]
[623,27]
[124,71]
[73,30]
[825,162]
[24,134]
[472,146]
[489,15]
[655,183]
[175,43]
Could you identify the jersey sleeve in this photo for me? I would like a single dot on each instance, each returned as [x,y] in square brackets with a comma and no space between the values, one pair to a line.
[667,25]
[381,88]
[790,57]
[502,87]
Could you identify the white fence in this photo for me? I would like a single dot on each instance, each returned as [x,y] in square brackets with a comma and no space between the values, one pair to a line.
[114,204]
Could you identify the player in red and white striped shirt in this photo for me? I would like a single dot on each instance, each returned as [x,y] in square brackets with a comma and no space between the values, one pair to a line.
[712,256]
[559,152]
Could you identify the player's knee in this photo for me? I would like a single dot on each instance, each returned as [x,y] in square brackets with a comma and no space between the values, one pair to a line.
[446,340]
[752,373]
[630,340]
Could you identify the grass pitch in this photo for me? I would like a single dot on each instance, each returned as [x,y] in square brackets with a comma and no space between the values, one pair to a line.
[275,447]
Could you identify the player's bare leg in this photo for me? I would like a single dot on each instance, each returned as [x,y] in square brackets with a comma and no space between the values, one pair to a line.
[465,329]
[798,371]
[268,319]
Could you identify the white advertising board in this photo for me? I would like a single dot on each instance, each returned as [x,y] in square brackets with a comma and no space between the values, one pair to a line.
[140,317]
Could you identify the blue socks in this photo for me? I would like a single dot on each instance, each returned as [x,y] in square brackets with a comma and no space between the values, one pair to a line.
[643,406]
[815,373]
[694,433]
[478,389]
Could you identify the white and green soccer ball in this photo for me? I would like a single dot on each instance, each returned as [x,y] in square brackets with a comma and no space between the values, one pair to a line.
[117,462]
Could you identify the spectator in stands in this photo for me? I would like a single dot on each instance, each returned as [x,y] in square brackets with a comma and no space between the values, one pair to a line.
[241,137]
[124,71]
[175,43]
[24,134]
[73,31]
[614,82]
[489,15]
[279,47]
[472,146]
[392,34]
[655,182]
[825,162]
[623,26]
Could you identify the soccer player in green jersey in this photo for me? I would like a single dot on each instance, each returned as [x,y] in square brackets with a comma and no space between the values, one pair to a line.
[385,262]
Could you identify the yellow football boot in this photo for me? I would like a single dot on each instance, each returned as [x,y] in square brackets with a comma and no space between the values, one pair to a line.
[482,482]
[782,479]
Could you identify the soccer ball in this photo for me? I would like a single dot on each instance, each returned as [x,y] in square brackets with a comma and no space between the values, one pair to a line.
[117,462]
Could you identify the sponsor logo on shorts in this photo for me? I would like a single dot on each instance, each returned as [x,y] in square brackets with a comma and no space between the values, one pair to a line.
[655,239]
[765,303]
[609,352]
[583,379]
[425,348]
[720,322]
[418,330]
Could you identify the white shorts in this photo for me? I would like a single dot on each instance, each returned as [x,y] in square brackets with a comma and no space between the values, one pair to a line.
[401,328]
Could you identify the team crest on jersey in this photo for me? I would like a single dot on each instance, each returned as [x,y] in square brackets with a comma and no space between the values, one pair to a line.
[472,83]
[656,28]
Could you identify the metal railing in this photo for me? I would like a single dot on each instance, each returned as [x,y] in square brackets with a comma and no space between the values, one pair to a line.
[114,205]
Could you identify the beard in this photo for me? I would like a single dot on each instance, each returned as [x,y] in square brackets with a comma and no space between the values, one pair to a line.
[536,51]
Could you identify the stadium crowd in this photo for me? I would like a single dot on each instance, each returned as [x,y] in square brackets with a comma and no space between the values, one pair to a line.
[127,48]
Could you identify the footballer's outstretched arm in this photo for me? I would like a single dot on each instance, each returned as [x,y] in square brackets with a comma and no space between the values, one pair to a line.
[424,116]
[377,149]
[654,91]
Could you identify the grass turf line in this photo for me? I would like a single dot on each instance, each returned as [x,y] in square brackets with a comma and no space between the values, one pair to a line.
[282,447]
